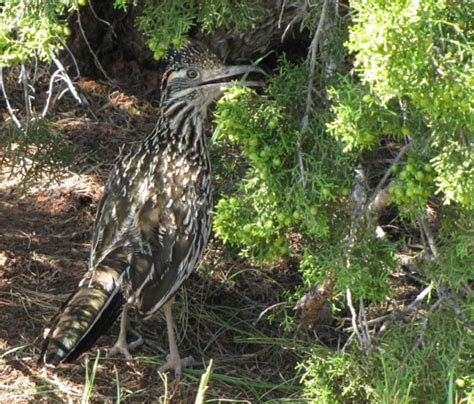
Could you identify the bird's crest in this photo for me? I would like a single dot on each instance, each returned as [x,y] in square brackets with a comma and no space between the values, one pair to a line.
[190,53]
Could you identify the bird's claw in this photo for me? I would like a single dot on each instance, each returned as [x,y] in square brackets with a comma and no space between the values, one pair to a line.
[176,364]
[123,348]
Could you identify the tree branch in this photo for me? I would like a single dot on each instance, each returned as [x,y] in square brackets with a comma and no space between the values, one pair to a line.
[65,77]
[309,92]
[412,306]
[421,335]
[96,59]
[26,94]
[429,236]
[384,179]
[7,102]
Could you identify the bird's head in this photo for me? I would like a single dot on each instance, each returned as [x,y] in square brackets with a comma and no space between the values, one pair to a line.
[195,75]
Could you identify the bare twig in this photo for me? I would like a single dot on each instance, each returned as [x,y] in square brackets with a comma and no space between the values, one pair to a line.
[384,179]
[364,328]
[421,335]
[363,206]
[412,306]
[50,92]
[273,306]
[60,95]
[61,74]
[328,60]
[300,163]
[358,198]
[290,24]
[458,310]
[429,236]
[313,48]
[7,102]
[65,77]
[101,20]
[96,59]
[78,73]
[355,326]
[281,13]
[298,17]
[26,93]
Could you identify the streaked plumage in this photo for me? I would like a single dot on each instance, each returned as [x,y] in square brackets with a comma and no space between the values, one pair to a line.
[154,219]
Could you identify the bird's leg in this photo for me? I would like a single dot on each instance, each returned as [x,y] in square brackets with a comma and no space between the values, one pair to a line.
[121,345]
[173,360]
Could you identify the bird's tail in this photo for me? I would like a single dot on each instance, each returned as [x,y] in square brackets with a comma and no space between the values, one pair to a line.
[85,316]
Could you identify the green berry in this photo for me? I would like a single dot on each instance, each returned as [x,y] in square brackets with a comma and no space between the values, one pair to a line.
[419,175]
[326,193]
[253,142]
[157,55]
[265,153]
[153,45]
[253,156]
[273,123]
[419,190]
[460,383]
[269,224]
[406,131]
[369,138]
[276,162]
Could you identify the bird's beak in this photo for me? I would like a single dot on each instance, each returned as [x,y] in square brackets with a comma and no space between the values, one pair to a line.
[226,74]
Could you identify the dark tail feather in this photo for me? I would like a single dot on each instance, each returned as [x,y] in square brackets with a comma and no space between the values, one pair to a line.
[84,317]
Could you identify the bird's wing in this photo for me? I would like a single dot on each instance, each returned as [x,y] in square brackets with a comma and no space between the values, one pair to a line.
[161,221]
[126,191]
[175,237]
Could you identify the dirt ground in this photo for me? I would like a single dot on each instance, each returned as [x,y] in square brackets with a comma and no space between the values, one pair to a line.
[44,246]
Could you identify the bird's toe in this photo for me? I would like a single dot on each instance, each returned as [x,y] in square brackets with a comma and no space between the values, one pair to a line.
[120,349]
[176,364]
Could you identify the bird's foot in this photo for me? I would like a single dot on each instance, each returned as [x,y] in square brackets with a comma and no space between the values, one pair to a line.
[176,364]
[121,347]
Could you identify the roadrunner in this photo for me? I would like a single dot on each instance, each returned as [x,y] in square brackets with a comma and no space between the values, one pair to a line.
[154,219]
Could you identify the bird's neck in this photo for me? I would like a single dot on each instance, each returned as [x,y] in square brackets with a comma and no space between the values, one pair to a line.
[181,124]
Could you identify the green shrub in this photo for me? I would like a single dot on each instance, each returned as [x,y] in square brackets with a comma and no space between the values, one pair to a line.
[415,64]
[36,150]
[32,29]
[167,22]
[272,145]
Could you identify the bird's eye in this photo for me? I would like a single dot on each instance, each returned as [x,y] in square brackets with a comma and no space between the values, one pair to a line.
[192,74]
